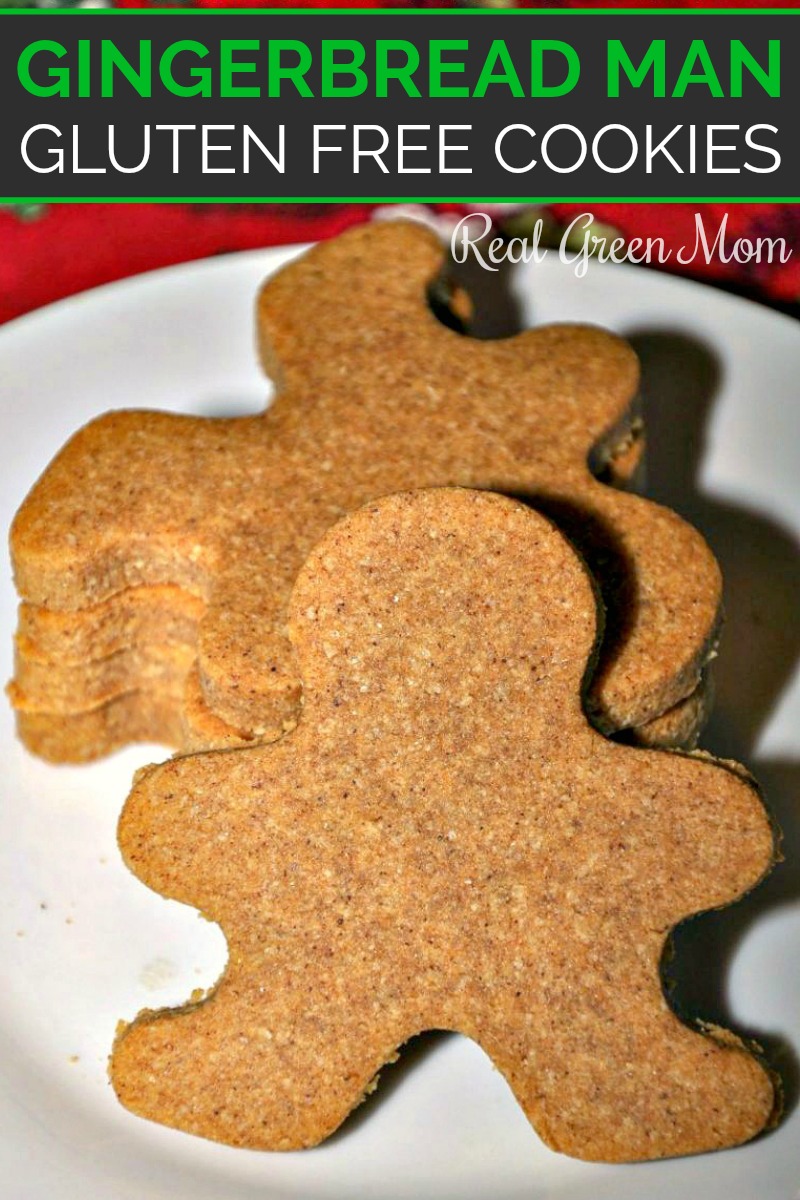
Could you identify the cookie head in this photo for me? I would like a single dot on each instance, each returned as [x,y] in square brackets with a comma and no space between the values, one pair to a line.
[316,305]
[351,323]
[461,615]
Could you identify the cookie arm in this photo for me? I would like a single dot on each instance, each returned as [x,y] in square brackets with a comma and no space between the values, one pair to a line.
[694,830]
[114,510]
[173,829]
[662,591]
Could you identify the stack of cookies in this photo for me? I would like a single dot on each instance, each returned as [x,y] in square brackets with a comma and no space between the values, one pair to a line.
[418,814]
[156,555]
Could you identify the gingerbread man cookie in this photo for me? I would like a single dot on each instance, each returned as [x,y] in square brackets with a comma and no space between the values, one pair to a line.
[445,842]
[374,395]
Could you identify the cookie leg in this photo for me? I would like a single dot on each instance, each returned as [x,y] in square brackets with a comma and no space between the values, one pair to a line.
[621,1079]
[299,1025]
[270,1066]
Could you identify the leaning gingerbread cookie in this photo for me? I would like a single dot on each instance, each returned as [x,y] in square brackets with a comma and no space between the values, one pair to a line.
[374,395]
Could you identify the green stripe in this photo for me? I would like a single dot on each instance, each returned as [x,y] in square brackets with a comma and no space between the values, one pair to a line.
[399,199]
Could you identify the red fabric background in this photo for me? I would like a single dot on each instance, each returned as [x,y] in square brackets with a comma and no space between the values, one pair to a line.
[77,246]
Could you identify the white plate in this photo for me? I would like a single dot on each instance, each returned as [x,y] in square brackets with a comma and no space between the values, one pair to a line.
[84,943]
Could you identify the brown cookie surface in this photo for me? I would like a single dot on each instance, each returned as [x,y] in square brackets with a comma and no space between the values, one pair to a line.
[445,842]
[374,395]
[39,685]
[680,727]
[143,715]
[130,620]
